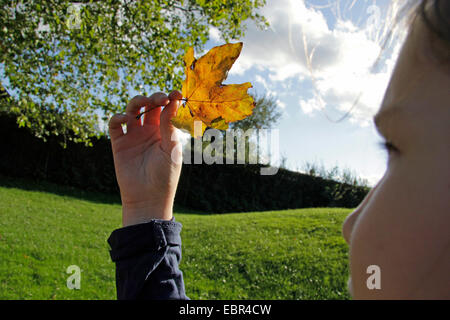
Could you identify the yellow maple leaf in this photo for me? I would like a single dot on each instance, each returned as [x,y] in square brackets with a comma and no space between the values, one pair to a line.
[206,99]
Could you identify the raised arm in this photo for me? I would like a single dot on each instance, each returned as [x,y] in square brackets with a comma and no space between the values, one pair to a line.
[147,160]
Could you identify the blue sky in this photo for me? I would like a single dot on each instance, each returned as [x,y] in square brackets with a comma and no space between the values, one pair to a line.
[346,45]
[316,59]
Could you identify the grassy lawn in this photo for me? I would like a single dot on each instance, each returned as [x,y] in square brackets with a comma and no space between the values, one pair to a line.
[292,254]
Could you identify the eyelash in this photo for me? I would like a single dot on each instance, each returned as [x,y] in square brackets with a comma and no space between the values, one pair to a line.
[389,147]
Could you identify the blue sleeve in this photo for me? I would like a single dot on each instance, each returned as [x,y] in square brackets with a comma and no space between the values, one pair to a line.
[147,257]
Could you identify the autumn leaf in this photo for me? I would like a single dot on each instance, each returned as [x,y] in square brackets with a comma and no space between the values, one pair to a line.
[206,99]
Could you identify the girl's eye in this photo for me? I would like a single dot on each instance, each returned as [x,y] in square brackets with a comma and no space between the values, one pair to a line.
[389,147]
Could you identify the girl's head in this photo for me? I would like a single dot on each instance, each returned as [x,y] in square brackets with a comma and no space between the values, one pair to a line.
[402,227]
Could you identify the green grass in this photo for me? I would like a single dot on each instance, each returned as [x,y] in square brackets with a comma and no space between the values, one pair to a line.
[292,254]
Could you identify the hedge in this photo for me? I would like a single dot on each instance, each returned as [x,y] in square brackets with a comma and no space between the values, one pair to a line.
[209,188]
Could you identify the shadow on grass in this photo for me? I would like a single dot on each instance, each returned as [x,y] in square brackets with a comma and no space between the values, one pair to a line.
[68,191]
[61,190]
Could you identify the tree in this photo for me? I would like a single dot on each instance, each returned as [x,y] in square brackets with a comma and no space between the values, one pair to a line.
[65,64]
[265,114]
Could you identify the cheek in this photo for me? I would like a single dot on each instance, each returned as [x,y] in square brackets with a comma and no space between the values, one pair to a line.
[361,246]
[398,232]
[374,235]
[383,230]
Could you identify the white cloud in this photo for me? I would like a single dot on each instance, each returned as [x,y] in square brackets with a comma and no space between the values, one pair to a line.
[262,81]
[341,59]
[308,106]
[281,104]
[214,34]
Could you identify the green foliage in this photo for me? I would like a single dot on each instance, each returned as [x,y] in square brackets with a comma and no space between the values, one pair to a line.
[241,188]
[265,114]
[67,63]
[295,254]
[343,175]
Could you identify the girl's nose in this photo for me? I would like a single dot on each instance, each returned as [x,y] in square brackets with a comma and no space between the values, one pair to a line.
[349,223]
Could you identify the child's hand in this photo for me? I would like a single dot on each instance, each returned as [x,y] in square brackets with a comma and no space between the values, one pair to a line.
[146,160]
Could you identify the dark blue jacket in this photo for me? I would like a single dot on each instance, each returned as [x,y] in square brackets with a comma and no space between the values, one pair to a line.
[147,257]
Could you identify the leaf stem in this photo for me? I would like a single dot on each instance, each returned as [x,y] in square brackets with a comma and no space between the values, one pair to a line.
[142,113]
